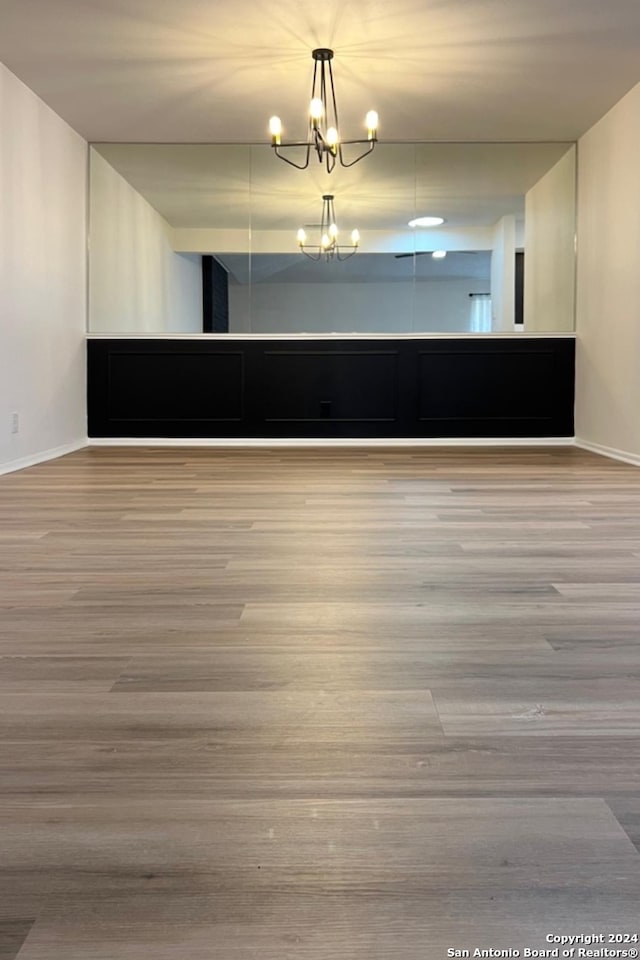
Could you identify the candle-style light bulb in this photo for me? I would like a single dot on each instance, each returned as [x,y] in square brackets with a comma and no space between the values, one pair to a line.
[302,237]
[316,109]
[333,231]
[371,121]
[275,129]
[325,242]
[355,237]
[331,138]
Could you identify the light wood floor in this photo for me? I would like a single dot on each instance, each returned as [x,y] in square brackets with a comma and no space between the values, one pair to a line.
[317,704]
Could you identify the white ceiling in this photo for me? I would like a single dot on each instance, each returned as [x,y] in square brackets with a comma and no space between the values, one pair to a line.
[215,70]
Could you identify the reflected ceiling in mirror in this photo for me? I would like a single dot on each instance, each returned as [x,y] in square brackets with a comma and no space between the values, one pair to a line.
[193,186]
[236,203]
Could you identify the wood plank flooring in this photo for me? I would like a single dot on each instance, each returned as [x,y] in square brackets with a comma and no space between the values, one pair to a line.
[317,703]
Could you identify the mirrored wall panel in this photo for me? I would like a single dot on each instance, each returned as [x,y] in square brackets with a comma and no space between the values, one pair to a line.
[416,238]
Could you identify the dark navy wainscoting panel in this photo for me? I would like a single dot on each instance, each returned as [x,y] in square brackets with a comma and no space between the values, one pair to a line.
[357,386]
[511,387]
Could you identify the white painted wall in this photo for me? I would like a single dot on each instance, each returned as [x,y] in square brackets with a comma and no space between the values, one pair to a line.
[43,188]
[441,306]
[503,275]
[137,283]
[608,294]
[549,275]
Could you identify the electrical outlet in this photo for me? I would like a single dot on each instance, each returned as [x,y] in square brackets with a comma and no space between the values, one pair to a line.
[15,423]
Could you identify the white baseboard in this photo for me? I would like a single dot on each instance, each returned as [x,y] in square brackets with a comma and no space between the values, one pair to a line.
[54,452]
[332,442]
[11,465]
[611,452]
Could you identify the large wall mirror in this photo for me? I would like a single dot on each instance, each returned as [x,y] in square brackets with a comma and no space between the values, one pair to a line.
[205,237]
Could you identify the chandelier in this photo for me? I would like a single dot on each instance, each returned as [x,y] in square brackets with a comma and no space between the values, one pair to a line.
[328,247]
[324,131]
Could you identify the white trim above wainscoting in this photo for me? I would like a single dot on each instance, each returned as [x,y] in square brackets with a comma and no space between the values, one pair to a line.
[331,442]
[611,452]
[500,335]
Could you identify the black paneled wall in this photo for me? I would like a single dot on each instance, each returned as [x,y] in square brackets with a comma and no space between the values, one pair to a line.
[493,387]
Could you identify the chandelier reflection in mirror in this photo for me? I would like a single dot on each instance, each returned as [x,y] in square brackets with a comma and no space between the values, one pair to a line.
[324,131]
[328,247]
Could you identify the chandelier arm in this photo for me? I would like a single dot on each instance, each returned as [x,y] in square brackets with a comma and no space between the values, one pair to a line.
[314,122]
[346,256]
[314,257]
[333,98]
[370,143]
[323,88]
[364,154]
[297,143]
[299,166]
[313,83]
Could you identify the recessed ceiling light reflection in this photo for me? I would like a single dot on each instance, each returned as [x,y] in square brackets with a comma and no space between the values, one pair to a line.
[427,222]
[439,254]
